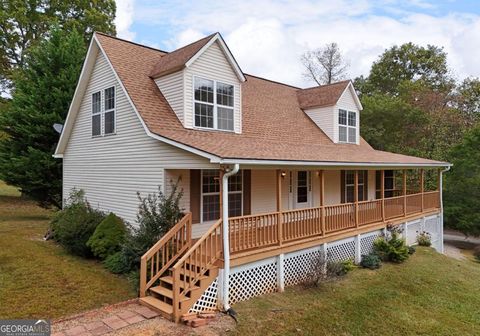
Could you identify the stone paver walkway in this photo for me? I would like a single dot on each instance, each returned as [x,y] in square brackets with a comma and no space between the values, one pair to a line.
[103,321]
[131,319]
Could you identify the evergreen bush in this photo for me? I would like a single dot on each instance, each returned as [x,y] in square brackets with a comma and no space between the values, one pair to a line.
[108,237]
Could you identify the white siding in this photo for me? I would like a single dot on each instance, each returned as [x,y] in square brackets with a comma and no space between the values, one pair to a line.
[324,117]
[113,168]
[213,65]
[172,88]
[183,178]
[346,102]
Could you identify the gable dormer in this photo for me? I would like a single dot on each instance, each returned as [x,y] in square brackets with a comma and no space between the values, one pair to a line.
[335,109]
[202,84]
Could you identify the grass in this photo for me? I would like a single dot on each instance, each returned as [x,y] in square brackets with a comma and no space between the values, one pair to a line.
[6,190]
[38,279]
[430,294]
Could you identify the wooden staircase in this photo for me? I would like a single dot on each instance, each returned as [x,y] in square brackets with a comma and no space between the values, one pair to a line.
[174,273]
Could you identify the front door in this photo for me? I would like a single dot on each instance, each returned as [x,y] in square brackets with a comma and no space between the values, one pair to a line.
[302,189]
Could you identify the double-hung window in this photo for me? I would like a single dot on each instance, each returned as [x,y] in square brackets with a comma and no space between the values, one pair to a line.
[97,113]
[211,195]
[103,112]
[347,126]
[213,102]
[350,185]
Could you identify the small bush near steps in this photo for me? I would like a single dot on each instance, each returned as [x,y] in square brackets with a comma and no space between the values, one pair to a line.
[371,261]
[108,237]
[424,239]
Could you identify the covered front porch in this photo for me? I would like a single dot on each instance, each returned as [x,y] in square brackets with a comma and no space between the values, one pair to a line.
[269,207]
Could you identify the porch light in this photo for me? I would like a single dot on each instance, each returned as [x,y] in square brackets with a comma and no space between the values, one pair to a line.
[283,174]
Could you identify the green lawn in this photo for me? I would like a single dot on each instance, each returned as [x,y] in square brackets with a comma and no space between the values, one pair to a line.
[39,279]
[430,294]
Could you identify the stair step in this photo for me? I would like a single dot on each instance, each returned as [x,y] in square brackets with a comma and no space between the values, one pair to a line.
[162,291]
[157,304]
[169,280]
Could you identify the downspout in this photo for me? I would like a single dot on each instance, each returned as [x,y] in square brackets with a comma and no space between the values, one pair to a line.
[226,240]
[441,205]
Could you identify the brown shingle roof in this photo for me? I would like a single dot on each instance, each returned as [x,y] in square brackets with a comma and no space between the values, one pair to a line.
[274,126]
[320,96]
[176,60]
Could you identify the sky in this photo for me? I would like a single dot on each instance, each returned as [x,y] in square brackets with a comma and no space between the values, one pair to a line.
[268,37]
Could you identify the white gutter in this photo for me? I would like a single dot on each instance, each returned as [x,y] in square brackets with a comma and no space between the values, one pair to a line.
[441,205]
[226,242]
[327,163]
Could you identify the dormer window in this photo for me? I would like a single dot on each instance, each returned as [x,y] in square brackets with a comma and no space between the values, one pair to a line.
[347,126]
[213,104]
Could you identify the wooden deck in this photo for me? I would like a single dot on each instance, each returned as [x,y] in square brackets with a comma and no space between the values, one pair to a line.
[254,232]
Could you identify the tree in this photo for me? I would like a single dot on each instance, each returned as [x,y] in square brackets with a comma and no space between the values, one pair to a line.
[324,65]
[410,104]
[469,99]
[462,186]
[25,23]
[43,90]
[409,63]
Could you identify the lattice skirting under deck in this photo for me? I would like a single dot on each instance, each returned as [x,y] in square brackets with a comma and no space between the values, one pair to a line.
[262,277]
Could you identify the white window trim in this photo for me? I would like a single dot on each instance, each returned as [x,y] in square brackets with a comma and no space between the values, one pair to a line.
[214,104]
[347,126]
[114,110]
[95,114]
[217,194]
[103,111]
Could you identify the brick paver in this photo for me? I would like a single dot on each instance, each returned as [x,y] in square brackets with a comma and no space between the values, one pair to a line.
[115,322]
[107,323]
[97,328]
[146,312]
[77,331]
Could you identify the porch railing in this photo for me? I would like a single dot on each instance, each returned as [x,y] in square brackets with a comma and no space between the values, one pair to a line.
[273,229]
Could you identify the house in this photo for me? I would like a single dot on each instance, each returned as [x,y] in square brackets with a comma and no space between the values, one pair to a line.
[273,175]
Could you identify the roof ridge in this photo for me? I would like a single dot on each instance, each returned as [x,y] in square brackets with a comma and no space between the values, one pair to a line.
[273,81]
[131,42]
[187,45]
[324,85]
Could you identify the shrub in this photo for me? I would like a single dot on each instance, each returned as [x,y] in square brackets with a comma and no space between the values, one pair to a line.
[116,263]
[371,261]
[424,239]
[73,226]
[411,250]
[339,268]
[391,249]
[157,214]
[321,270]
[108,237]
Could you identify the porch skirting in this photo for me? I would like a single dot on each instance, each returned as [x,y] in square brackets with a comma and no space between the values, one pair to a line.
[274,273]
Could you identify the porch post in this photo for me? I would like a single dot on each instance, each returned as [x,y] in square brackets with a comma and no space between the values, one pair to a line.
[279,206]
[422,185]
[404,188]
[356,198]
[322,199]
[382,193]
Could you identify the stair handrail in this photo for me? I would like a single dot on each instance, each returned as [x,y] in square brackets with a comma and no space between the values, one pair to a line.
[203,254]
[165,252]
